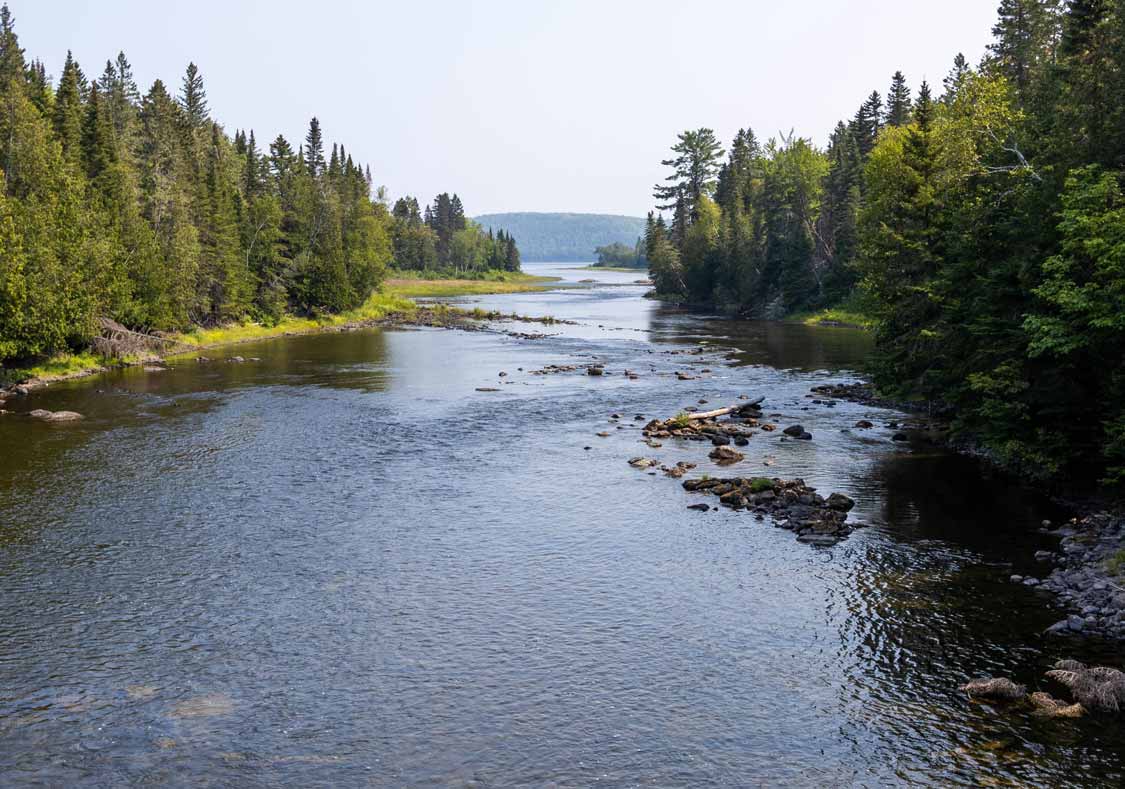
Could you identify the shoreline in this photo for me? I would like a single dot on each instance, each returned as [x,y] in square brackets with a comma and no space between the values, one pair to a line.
[402,313]
[1085,575]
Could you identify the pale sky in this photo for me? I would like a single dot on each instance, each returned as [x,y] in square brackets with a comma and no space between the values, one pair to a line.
[518,105]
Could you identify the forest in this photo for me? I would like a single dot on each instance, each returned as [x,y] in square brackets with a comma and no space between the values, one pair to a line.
[979,223]
[142,209]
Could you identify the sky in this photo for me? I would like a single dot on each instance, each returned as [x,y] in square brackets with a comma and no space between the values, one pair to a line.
[518,105]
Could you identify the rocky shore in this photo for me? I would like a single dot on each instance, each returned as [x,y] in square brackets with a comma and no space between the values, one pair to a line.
[1086,575]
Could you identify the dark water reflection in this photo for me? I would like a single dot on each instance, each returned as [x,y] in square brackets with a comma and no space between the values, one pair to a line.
[342,565]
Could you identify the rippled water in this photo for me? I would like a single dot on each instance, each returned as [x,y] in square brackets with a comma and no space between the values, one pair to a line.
[344,566]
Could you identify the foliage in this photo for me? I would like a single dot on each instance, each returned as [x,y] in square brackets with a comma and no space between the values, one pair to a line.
[982,230]
[144,210]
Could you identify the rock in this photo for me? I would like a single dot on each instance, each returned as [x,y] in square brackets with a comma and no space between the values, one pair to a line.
[742,441]
[595,370]
[603,435]
[864,424]
[643,463]
[1043,556]
[1016,579]
[1000,688]
[794,430]
[726,456]
[805,437]
[502,374]
[900,436]
[1060,628]
[813,538]
[1031,582]
[487,389]
[839,502]
[236,359]
[1049,707]
[720,441]
[55,416]
[1095,688]
[1076,623]
[23,390]
[700,507]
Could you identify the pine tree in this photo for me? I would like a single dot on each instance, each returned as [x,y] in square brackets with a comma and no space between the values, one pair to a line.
[68,111]
[1026,34]
[314,149]
[955,79]
[694,171]
[867,123]
[193,98]
[898,101]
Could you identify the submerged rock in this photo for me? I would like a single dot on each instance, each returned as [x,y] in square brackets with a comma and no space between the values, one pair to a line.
[794,431]
[55,416]
[999,688]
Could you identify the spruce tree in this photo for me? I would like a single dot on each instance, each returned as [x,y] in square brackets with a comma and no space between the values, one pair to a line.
[898,101]
[68,111]
[314,149]
[193,98]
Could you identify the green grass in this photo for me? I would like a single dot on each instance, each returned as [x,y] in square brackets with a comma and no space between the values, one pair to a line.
[378,305]
[61,365]
[413,285]
[1116,563]
[760,485]
[851,312]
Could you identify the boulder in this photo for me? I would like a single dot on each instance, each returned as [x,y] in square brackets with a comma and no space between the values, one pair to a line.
[999,688]
[726,455]
[794,430]
[595,370]
[839,502]
[864,424]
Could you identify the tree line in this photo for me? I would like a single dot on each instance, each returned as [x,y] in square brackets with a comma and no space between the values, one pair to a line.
[442,239]
[982,224]
[141,208]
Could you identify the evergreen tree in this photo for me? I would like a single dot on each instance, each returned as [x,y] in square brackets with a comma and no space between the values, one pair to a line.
[193,98]
[898,101]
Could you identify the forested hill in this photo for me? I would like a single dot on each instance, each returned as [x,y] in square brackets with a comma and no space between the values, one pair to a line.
[565,236]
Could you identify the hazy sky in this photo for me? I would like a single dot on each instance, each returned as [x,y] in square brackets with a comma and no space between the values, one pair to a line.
[566,105]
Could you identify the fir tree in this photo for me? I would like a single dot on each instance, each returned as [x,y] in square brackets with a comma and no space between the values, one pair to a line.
[898,101]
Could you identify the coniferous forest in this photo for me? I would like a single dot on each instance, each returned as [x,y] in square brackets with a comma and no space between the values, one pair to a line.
[980,223]
[142,209]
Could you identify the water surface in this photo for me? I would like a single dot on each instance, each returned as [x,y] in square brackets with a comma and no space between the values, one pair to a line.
[342,565]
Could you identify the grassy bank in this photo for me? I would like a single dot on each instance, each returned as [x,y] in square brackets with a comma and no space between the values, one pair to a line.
[377,306]
[66,365]
[853,313]
[413,285]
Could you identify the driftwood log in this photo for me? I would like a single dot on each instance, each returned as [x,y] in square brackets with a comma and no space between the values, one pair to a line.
[724,411]
[117,342]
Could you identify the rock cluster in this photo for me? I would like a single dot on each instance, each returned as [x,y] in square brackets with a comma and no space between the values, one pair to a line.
[737,430]
[792,504]
[1092,689]
[1087,575]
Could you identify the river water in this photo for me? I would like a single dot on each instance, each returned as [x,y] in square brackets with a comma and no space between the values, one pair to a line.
[342,565]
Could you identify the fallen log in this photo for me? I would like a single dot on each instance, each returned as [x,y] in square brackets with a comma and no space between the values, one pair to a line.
[724,411]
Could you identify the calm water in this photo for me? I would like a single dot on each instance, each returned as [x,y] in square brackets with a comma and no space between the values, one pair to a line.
[344,566]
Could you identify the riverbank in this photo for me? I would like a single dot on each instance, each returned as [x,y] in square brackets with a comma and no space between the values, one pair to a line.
[412,285]
[383,309]
[1086,574]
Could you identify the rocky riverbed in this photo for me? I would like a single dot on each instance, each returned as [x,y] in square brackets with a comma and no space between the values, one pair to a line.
[1086,575]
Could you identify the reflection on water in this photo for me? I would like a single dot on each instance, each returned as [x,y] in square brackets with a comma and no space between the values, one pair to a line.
[343,565]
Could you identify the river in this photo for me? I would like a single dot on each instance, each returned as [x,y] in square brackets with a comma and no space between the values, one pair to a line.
[342,565]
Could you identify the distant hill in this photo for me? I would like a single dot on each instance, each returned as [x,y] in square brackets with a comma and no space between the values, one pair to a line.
[565,237]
